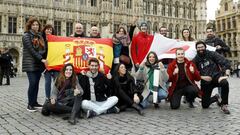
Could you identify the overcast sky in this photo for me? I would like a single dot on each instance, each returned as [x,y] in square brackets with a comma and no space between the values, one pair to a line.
[212,6]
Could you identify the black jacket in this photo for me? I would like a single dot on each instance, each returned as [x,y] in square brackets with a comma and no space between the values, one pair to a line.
[212,64]
[102,87]
[214,41]
[6,60]
[32,55]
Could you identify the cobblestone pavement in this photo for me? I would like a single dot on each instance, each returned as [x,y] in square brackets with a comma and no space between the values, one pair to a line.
[15,119]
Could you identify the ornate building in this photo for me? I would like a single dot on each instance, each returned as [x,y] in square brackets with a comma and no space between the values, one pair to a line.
[106,14]
[228,28]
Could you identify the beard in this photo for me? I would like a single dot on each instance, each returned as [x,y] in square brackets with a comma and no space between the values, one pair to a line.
[201,53]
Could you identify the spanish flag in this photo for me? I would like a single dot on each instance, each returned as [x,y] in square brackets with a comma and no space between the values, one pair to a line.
[63,50]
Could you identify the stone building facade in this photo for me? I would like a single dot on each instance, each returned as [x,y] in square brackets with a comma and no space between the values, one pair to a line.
[106,14]
[228,28]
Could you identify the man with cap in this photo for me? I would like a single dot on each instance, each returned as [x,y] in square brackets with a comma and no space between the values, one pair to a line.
[141,44]
[214,70]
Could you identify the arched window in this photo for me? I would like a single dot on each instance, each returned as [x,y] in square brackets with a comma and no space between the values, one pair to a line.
[129,4]
[176,8]
[155,27]
[190,11]
[184,10]
[177,31]
[149,27]
[170,8]
[163,7]
[170,30]
[226,6]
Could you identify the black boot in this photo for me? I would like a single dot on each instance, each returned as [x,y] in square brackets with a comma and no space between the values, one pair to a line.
[138,108]
[72,120]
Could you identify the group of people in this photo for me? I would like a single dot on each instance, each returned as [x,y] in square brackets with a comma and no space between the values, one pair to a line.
[92,92]
[6,66]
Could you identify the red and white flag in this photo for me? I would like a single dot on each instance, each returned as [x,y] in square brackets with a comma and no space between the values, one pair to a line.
[166,47]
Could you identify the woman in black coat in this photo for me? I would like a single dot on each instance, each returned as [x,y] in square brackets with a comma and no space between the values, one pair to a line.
[33,61]
[125,89]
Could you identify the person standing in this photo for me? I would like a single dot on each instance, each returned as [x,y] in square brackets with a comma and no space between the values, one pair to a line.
[163,31]
[182,74]
[214,41]
[49,75]
[214,70]
[79,31]
[33,61]
[141,44]
[186,35]
[6,65]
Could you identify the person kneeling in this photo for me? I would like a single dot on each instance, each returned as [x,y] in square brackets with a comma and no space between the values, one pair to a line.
[66,95]
[182,74]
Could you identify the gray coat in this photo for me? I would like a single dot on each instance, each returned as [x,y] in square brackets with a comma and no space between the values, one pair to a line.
[32,55]
[142,74]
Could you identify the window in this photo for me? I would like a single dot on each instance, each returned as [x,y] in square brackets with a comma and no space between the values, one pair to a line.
[155,8]
[0,24]
[223,24]
[43,22]
[177,31]
[176,8]
[234,22]
[116,3]
[170,30]
[229,23]
[93,3]
[82,2]
[70,1]
[57,27]
[170,8]
[148,6]
[163,8]
[129,4]
[12,24]
[184,10]
[226,6]
[116,26]
[69,28]
[190,11]
[219,25]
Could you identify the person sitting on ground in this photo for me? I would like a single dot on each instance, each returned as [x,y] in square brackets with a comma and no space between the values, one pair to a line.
[125,89]
[97,89]
[66,96]
[146,74]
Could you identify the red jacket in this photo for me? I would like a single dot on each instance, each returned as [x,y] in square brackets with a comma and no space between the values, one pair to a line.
[192,77]
[141,44]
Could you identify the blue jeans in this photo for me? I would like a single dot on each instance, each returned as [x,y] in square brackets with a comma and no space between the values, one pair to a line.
[33,79]
[49,76]
[145,103]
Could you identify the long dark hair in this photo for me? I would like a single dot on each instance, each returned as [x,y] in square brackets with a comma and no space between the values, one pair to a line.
[147,63]
[190,38]
[116,76]
[61,77]
[124,31]
[47,26]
